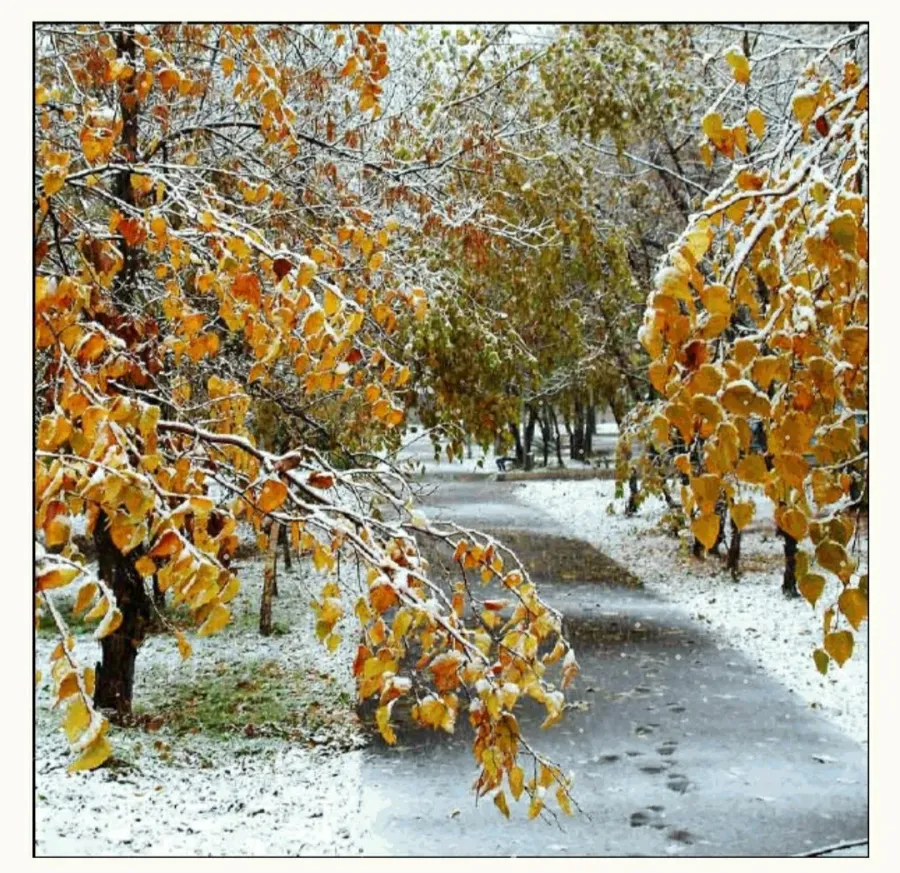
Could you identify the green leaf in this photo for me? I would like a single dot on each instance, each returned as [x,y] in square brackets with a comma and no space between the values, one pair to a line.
[821,658]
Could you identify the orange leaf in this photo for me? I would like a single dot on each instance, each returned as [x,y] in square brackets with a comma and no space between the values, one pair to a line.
[272,496]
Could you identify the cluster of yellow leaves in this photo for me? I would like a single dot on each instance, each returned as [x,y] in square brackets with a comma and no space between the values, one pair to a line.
[498,658]
[760,319]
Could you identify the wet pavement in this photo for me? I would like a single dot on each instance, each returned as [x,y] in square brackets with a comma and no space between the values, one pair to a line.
[679,745]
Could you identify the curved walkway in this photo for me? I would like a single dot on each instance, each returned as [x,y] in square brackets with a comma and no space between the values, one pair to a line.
[682,746]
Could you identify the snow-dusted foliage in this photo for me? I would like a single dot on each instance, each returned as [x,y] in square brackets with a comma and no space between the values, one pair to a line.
[221,318]
[757,329]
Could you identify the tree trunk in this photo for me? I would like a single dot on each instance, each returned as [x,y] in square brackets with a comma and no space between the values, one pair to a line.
[734,551]
[520,453]
[789,582]
[265,607]
[697,549]
[529,437]
[285,541]
[115,671]
[590,425]
[159,596]
[632,507]
[576,449]
[553,419]
[722,512]
[545,432]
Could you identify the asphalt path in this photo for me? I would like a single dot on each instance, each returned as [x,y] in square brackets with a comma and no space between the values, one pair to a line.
[679,744]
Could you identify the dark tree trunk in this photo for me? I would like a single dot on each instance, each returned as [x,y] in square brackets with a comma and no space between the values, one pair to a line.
[545,433]
[697,549]
[789,582]
[520,453]
[632,507]
[734,551]
[590,425]
[529,437]
[115,670]
[285,541]
[265,606]
[577,440]
[553,419]
[159,596]
[722,512]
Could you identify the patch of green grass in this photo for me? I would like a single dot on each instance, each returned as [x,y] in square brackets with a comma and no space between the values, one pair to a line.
[77,625]
[253,699]
[179,617]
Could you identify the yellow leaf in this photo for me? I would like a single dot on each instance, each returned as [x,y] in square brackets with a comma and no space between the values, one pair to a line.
[535,807]
[699,238]
[500,803]
[168,544]
[707,380]
[77,719]
[331,303]
[145,566]
[169,79]
[272,496]
[716,299]
[56,578]
[93,756]
[98,611]
[804,105]
[673,283]
[712,125]
[227,65]
[110,623]
[382,719]
[752,469]
[740,66]
[833,556]
[562,798]
[811,587]
[839,645]
[184,647]
[516,781]
[793,522]
[86,594]
[54,180]
[68,685]
[314,322]
[757,122]
[706,492]
[218,617]
[742,514]
[855,605]
[376,260]
[706,529]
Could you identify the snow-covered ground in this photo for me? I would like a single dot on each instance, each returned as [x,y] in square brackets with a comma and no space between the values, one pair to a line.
[193,794]
[751,615]
[418,451]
